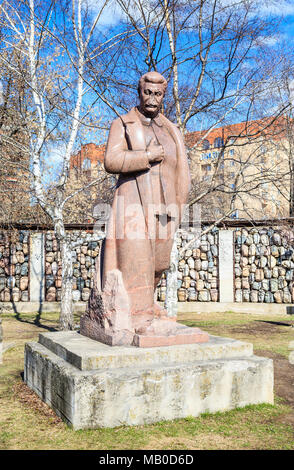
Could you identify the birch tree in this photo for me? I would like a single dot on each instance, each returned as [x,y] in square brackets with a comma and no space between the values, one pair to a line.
[55,41]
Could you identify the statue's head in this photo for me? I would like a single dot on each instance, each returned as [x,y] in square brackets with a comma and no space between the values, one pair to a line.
[151,91]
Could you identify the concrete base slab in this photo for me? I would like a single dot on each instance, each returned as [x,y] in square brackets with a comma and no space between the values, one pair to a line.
[92,385]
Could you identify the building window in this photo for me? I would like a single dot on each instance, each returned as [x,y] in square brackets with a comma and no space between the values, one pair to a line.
[86,167]
[205,144]
[218,142]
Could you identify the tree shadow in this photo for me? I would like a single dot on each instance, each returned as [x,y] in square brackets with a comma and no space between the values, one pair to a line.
[279,323]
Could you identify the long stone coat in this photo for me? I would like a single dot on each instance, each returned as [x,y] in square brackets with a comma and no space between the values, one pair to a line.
[128,246]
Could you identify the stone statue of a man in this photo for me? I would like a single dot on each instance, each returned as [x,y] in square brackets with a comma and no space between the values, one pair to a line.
[148,152]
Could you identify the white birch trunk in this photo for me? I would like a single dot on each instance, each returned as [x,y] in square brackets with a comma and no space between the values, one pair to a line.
[66,321]
[171,296]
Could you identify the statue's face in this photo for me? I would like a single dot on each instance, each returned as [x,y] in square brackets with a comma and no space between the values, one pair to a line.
[151,96]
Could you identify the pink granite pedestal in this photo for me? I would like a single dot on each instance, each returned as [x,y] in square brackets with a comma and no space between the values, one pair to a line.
[109,319]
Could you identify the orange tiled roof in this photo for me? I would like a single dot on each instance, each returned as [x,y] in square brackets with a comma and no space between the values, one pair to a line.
[269,127]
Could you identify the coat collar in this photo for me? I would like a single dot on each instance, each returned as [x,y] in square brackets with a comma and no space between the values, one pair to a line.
[134,115]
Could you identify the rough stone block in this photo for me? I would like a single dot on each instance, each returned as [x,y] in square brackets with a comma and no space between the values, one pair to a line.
[92,385]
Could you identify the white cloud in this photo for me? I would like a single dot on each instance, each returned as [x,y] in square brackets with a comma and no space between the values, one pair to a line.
[276,7]
[111,14]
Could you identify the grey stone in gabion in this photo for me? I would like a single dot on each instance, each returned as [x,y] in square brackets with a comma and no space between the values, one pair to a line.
[24,282]
[264,239]
[186,270]
[16,294]
[237,258]
[282,271]
[246,295]
[2,283]
[203,275]
[238,283]
[259,275]
[244,250]
[275,251]
[263,250]
[76,295]
[254,296]
[49,281]
[24,296]
[58,295]
[238,271]
[86,294]
[245,283]
[289,275]
[210,238]
[193,284]
[256,238]
[251,259]
[267,273]
[204,265]
[193,274]
[48,244]
[282,250]
[286,263]
[88,262]
[200,285]
[192,295]
[181,265]
[245,271]
[198,265]
[263,261]
[275,272]
[214,250]
[188,253]
[256,285]
[282,282]
[249,240]
[276,238]
[204,296]
[278,297]
[244,261]
[179,283]
[252,250]
[238,295]
[265,284]
[210,266]
[84,250]
[213,295]
[253,268]
[268,298]
[274,285]
[182,295]
[13,259]
[271,261]
[80,283]
[261,295]
[10,282]
[191,262]
[17,269]
[287,296]
[180,275]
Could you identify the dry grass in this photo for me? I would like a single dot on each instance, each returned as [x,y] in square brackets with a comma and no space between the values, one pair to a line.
[27,423]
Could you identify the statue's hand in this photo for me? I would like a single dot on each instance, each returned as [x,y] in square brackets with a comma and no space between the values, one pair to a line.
[155,151]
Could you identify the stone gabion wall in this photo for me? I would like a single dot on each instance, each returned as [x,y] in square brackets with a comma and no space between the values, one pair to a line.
[197,269]
[264,265]
[84,257]
[14,266]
